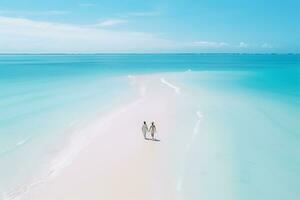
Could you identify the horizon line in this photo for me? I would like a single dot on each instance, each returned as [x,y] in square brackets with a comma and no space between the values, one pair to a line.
[106,53]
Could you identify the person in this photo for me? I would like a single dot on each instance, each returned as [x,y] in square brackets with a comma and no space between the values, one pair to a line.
[152,130]
[145,129]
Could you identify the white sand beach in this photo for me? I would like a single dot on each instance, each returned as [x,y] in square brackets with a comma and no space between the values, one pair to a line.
[113,161]
[202,149]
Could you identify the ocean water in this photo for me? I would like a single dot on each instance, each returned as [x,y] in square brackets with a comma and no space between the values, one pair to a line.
[247,144]
[249,105]
[43,101]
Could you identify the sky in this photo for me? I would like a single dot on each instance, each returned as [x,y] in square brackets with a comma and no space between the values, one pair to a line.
[158,26]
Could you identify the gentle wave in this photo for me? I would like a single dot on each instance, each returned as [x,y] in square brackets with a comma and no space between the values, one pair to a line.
[188,147]
[17,145]
[79,141]
[174,87]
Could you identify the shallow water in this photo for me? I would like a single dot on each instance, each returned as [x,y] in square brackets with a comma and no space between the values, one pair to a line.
[250,107]
[42,101]
[248,142]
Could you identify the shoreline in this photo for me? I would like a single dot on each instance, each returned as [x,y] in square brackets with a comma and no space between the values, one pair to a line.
[100,127]
[201,147]
[229,127]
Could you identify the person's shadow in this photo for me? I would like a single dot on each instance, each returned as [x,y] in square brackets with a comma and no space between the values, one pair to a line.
[155,140]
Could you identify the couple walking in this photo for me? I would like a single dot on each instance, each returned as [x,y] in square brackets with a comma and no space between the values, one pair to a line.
[152,130]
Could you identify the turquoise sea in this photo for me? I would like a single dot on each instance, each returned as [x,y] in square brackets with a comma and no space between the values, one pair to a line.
[251,104]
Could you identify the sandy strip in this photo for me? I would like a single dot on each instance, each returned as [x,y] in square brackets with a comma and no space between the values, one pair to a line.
[116,162]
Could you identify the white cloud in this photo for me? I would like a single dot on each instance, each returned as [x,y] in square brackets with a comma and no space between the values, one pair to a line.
[243,45]
[209,44]
[23,35]
[34,13]
[110,22]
